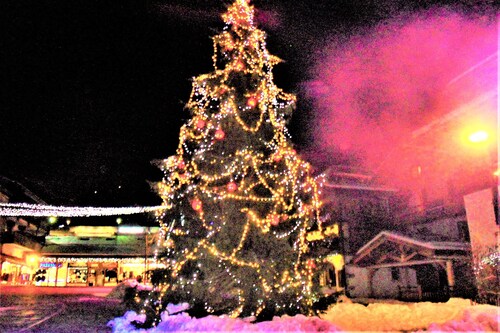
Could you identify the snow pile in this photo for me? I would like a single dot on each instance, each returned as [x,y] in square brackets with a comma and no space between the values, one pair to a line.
[454,315]
[184,323]
[118,292]
[394,317]
[478,318]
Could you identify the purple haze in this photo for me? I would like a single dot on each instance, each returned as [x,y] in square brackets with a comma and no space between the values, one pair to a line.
[374,90]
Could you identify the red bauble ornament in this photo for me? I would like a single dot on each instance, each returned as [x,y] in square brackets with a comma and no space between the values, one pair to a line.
[196,204]
[231,187]
[201,123]
[277,157]
[181,164]
[219,134]
[275,220]
[252,101]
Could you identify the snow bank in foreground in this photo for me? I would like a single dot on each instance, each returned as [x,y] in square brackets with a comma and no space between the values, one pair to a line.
[455,315]
[184,323]
[479,318]
[414,316]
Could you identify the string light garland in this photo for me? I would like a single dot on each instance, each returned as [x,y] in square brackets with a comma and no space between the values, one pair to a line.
[35,210]
[238,201]
[72,260]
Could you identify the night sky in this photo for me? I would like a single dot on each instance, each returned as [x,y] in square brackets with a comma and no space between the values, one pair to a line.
[94,90]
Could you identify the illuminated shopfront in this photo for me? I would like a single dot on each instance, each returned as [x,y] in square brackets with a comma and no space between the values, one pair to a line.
[21,238]
[18,264]
[90,271]
[96,256]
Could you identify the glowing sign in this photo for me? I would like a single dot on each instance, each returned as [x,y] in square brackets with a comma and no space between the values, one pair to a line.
[50,264]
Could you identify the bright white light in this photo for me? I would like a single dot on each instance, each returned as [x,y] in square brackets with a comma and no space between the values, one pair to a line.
[478,136]
[130,230]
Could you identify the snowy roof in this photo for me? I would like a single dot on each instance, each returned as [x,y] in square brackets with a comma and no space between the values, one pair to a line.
[434,245]
[389,248]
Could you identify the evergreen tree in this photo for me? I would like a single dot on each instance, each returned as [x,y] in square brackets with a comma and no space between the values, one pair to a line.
[238,199]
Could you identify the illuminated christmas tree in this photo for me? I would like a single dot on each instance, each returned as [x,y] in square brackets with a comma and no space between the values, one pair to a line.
[238,198]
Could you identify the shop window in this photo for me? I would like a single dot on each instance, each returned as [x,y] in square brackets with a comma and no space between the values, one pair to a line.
[111,275]
[77,275]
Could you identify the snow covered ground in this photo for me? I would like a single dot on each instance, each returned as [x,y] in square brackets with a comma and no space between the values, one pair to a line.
[456,315]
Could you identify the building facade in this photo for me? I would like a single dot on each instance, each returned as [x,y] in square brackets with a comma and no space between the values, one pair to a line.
[447,229]
[21,238]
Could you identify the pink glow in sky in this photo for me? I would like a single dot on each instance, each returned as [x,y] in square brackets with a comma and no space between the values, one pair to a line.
[374,90]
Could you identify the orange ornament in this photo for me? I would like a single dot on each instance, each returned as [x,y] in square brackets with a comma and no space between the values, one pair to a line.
[219,134]
[196,204]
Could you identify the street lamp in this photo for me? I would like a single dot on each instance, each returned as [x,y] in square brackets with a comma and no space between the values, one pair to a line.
[482,137]
[478,136]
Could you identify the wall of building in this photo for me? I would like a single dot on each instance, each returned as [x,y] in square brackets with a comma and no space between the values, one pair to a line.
[357,282]
[386,282]
[445,229]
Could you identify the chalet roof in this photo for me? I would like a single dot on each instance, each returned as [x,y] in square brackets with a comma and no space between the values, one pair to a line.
[392,249]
